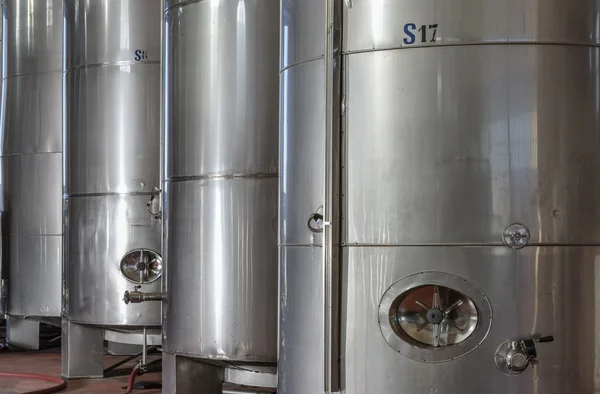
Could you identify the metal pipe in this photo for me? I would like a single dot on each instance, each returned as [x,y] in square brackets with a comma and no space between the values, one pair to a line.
[137,297]
[162,105]
[162,111]
[145,347]
[328,201]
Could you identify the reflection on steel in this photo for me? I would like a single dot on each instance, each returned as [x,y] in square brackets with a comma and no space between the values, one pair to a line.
[111,158]
[454,119]
[221,179]
[112,168]
[153,337]
[31,155]
[220,213]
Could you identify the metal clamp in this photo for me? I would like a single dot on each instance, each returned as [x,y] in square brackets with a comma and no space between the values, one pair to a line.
[315,222]
[514,357]
[157,214]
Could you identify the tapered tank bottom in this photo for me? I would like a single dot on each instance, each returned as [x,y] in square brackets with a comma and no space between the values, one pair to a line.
[186,375]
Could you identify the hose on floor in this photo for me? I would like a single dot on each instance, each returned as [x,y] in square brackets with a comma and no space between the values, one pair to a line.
[131,381]
[138,370]
[61,384]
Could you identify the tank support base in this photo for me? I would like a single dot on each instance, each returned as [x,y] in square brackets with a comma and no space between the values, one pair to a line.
[184,375]
[123,349]
[22,333]
[82,353]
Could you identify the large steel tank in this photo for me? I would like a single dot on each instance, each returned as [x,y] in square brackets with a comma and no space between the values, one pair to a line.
[220,206]
[31,160]
[453,147]
[112,172]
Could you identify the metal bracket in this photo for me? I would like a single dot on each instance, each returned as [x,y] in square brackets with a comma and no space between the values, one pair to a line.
[157,214]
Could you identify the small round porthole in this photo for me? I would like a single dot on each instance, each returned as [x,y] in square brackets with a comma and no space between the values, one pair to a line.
[434,317]
[141,266]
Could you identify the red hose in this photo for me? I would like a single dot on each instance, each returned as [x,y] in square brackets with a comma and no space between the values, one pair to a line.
[60,383]
[131,379]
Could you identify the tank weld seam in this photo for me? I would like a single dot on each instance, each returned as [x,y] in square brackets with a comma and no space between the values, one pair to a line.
[71,195]
[139,331]
[284,245]
[34,234]
[216,177]
[29,154]
[111,64]
[466,244]
[321,57]
[468,44]
[32,73]
[217,360]
[183,4]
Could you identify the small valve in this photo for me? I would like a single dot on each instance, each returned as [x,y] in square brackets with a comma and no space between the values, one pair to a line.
[514,357]
[137,297]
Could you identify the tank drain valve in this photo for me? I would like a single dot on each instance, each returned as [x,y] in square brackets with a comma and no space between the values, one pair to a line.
[514,357]
[137,297]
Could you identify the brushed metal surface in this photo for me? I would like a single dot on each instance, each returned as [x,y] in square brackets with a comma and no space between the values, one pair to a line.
[118,107]
[302,28]
[3,221]
[33,185]
[99,230]
[31,156]
[32,37]
[115,32]
[301,316]
[302,125]
[379,24]
[34,277]
[33,114]
[467,140]
[23,334]
[221,255]
[82,351]
[535,291]
[445,145]
[221,88]
[112,148]
[221,189]
[134,337]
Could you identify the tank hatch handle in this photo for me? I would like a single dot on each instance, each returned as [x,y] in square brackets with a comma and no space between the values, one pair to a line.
[514,357]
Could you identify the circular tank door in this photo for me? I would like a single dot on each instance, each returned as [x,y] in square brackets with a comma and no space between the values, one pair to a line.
[141,266]
[434,317]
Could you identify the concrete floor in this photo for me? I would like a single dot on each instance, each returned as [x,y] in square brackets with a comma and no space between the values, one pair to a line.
[48,363]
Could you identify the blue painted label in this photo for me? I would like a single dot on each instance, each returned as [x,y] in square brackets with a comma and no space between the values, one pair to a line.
[140,55]
[409,38]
